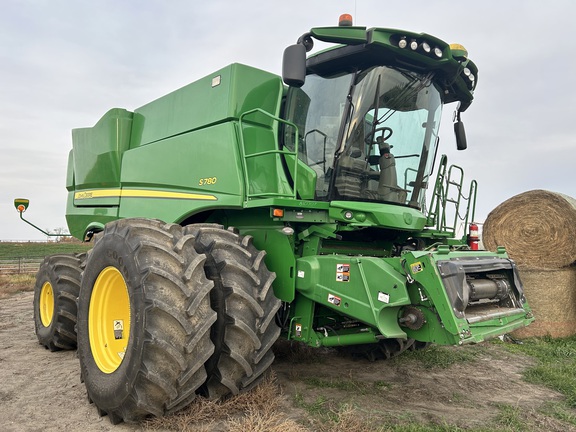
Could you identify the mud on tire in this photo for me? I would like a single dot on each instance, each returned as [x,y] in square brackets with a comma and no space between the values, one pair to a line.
[144,320]
[55,296]
[245,330]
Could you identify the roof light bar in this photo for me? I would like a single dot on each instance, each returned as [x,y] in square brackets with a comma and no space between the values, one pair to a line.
[420,45]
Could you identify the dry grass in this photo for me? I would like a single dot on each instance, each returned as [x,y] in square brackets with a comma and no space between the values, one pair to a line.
[347,419]
[13,284]
[258,410]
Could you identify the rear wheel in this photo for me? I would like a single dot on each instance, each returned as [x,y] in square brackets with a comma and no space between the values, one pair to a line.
[55,296]
[144,320]
[245,330]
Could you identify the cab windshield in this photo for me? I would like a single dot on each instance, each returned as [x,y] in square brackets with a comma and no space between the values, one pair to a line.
[368,136]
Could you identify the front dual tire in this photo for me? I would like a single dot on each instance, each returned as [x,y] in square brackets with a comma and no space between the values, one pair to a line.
[144,320]
[166,312]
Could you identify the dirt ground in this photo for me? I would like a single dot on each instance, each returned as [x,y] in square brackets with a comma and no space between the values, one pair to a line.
[41,391]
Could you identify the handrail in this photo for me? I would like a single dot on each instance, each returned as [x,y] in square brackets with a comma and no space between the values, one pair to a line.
[446,181]
[277,150]
[436,212]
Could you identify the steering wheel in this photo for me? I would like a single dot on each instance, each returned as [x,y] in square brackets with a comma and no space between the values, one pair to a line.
[385,131]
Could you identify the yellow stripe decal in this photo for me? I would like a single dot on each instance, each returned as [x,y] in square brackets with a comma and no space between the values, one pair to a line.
[140,193]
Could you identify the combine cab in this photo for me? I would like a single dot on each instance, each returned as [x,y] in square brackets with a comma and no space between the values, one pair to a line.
[247,206]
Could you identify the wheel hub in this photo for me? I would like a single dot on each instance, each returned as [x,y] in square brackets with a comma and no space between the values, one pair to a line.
[109,320]
[46,304]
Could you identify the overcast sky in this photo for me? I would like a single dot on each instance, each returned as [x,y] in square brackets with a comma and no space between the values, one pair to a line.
[63,64]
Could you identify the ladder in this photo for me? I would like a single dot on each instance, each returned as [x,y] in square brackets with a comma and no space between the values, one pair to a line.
[448,200]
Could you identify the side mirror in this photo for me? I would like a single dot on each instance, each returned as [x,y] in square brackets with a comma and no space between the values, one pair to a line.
[21,204]
[294,65]
[460,133]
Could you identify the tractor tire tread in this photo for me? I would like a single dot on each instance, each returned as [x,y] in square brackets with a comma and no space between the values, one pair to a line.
[63,272]
[245,330]
[176,339]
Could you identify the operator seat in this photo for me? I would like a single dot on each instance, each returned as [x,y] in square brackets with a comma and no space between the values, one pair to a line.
[351,167]
[388,189]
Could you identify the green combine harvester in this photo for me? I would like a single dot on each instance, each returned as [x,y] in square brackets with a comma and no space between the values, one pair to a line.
[246,207]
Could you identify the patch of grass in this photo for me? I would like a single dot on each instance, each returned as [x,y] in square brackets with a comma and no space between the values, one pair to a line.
[442,357]
[381,385]
[348,419]
[13,284]
[416,427]
[560,411]
[324,415]
[556,364]
[315,408]
[13,250]
[348,385]
[511,418]
[560,377]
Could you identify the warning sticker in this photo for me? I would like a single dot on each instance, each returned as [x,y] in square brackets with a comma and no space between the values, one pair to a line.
[342,272]
[118,329]
[298,330]
[416,267]
[383,297]
[334,300]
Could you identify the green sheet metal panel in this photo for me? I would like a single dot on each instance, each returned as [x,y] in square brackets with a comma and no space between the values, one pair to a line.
[179,176]
[82,219]
[98,151]
[203,161]
[221,96]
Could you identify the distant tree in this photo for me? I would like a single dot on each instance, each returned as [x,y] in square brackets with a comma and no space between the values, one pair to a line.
[58,235]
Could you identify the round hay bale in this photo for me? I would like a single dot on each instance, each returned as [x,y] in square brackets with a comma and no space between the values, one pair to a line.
[552,296]
[537,228]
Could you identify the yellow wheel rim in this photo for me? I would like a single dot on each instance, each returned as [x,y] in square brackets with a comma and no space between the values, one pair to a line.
[109,319]
[46,304]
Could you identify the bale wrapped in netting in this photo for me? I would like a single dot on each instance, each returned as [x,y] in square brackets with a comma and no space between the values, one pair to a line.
[537,228]
[551,293]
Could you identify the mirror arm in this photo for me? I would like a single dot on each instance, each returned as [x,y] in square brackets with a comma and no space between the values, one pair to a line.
[307,41]
[40,229]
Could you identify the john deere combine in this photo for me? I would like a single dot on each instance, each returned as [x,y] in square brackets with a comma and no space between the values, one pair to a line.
[247,206]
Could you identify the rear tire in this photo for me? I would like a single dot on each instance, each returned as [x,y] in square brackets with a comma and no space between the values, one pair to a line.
[144,320]
[246,329]
[55,301]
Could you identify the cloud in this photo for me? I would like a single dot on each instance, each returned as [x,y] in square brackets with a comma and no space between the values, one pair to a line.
[64,64]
